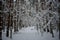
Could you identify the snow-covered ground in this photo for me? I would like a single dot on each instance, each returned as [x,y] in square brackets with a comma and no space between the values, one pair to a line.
[30,33]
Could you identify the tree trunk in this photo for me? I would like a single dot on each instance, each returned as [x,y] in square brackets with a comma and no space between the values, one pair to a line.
[14,25]
[51,30]
[7,31]
[0,27]
[59,27]
[59,30]
[59,20]
[17,23]
[11,25]
[47,29]
[10,32]
[1,20]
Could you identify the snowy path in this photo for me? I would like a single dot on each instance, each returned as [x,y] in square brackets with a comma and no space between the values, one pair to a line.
[30,33]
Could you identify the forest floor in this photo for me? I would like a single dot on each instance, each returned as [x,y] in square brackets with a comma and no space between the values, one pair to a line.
[30,33]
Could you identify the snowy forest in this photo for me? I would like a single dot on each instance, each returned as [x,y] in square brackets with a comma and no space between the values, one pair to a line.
[29,19]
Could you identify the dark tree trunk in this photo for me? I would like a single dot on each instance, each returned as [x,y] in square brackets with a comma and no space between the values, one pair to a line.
[11,26]
[47,29]
[7,31]
[4,23]
[1,19]
[14,25]
[0,27]
[17,23]
[37,27]
[59,26]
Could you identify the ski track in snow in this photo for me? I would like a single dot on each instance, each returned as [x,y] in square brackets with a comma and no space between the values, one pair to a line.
[30,33]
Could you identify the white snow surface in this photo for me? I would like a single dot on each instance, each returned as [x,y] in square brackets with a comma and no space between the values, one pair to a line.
[30,33]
